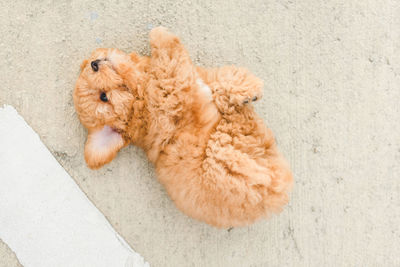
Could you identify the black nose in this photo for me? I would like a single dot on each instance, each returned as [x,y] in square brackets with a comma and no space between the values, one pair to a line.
[95,65]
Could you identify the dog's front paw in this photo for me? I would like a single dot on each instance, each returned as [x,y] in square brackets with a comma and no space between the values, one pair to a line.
[246,95]
[247,100]
[156,32]
[161,37]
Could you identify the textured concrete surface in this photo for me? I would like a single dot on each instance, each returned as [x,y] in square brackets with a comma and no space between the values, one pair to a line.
[332,76]
[46,218]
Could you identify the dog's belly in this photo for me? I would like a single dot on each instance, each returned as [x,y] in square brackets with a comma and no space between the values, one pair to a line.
[226,178]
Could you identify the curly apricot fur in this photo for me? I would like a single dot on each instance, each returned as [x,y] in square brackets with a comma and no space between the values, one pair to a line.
[214,155]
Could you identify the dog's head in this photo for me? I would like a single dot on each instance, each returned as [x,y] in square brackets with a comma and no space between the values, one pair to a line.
[104,104]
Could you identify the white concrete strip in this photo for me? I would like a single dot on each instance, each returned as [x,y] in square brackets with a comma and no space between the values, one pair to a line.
[44,217]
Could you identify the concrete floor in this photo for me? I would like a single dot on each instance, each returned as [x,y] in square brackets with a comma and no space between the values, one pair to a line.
[332,91]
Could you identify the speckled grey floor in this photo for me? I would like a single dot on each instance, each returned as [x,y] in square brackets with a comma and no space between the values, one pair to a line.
[332,90]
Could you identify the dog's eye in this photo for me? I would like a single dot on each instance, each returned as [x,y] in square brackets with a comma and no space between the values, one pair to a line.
[103,97]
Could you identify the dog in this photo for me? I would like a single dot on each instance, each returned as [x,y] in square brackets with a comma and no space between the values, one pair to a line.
[216,158]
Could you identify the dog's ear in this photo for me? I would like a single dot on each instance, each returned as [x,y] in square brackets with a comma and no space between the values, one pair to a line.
[83,64]
[102,146]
